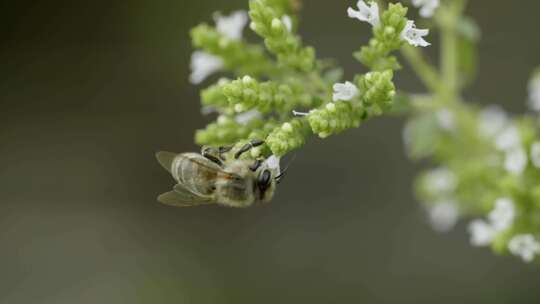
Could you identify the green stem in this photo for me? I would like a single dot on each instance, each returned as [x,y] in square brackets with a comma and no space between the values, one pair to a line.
[425,71]
[449,61]
[448,18]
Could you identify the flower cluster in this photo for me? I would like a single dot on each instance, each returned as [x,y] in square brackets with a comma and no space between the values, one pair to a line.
[489,170]
[487,163]
[300,95]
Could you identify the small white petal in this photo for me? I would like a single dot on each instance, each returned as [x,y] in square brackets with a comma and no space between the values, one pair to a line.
[344,91]
[233,25]
[515,160]
[301,114]
[524,246]
[502,216]
[287,21]
[366,13]
[246,117]
[535,154]
[508,138]
[482,233]
[414,36]
[444,216]
[446,120]
[204,65]
[492,120]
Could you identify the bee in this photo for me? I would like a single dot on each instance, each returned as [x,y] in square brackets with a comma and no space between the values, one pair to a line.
[211,178]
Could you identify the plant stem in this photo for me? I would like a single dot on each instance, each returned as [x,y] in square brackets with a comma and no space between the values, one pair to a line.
[448,18]
[425,71]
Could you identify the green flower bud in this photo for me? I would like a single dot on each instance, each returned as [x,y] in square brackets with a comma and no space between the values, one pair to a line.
[238,56]
[377,89]
[247,93]
[335,117]
[267,22]
[226,131]
[289,136]
[387,38]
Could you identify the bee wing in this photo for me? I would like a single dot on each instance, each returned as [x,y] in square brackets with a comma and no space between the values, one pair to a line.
[166,159]
[182,197]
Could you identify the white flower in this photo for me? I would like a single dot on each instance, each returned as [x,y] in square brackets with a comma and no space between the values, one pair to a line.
[428,7]
[524,246]
[482,233]
[413,35]
[502,216]
[233,25]
[287,21]
[345,91]
[366,13]
[204,65]
[535,154]
[443,216]
[446,120]
[492,120]
[441,181]
[245,117]
[534,94]
[515,160]
[508,138]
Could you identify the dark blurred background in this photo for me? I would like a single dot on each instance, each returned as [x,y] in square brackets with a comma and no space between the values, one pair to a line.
[91,89]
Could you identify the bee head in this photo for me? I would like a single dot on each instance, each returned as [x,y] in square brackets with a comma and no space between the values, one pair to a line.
[265,184]
[265,178]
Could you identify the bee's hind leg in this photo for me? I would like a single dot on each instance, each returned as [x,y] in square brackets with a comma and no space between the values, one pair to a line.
[212,155]
[250,145]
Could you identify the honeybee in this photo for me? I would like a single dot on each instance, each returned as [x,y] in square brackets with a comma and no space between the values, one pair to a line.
[210,178]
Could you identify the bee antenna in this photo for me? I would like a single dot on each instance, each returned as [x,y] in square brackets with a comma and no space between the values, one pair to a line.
[282,173]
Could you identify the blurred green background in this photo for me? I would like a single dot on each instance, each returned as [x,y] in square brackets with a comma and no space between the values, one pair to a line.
[91,89]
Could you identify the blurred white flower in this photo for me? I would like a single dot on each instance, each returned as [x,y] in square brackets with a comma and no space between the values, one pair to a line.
[482,233]
[502,216]
[245,117]
[508,138]
[413,35]
[535,154]
[443,216]
[406,135]
[345,91]
[492,120]
[524,246]
[515,160]
[365,13]
[446,120]
[233,25]
[428,7]
[204,65]
[534,94]
[441,181]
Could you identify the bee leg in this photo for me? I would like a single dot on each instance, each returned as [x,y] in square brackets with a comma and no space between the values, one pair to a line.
[211,154]
[252,144]
[223,150]
[256,165]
